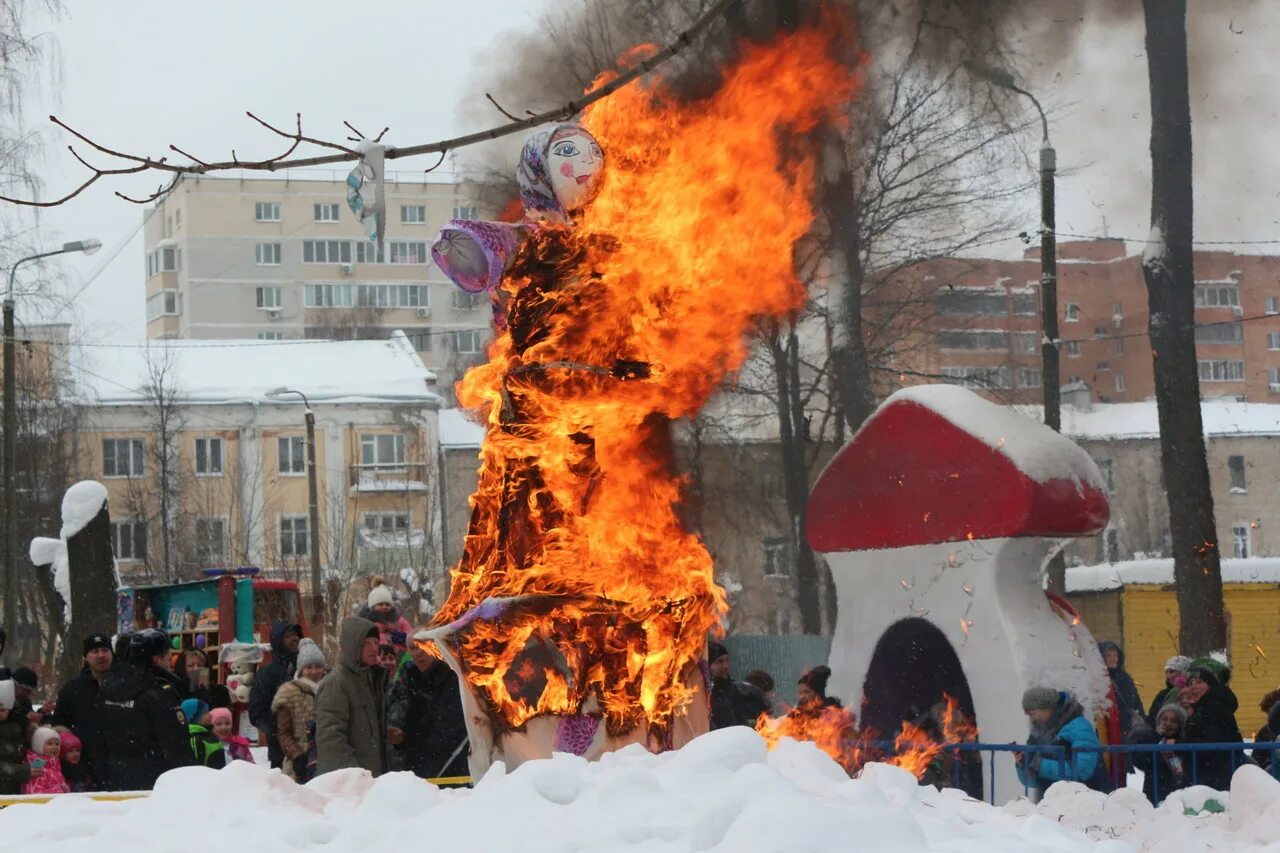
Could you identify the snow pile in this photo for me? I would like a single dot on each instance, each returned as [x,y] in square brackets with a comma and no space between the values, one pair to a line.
[723,792]
[80,505]
[53,553]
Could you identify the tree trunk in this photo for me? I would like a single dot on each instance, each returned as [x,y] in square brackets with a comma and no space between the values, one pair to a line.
[93,579]
[1168,270]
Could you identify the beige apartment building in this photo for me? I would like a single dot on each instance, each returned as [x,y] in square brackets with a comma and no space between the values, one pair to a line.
[283,258]
[206,466]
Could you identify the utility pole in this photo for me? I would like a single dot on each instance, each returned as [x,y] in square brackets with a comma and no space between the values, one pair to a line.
[313,508]
[10,531]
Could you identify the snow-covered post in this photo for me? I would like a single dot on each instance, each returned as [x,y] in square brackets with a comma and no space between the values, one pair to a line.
[91,575]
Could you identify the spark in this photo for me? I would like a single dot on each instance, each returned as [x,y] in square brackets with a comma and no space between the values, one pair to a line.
[905,583]
[968,589]
[965,625]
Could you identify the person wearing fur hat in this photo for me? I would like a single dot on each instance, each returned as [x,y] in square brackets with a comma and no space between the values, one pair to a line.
[1163,772]
[294,712]
[46,768]
[380,609]
[1212,720]
[733,703]
[1057,719]
[14,770]
[1175,678]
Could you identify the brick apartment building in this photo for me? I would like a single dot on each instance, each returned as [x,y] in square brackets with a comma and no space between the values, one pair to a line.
[981,326]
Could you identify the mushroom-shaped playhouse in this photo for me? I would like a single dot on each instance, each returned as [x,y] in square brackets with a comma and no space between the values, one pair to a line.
[938,520]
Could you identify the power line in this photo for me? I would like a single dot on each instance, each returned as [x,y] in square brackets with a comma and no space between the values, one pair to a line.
[196,344]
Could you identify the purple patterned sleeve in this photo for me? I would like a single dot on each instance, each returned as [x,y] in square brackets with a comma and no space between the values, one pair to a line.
[474,254]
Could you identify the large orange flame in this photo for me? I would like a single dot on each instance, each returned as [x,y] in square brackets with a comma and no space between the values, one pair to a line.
[688,244]
[834,731]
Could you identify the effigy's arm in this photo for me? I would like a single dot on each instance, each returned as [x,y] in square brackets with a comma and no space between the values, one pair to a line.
[474,254]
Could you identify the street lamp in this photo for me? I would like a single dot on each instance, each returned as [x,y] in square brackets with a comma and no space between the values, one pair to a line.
[313,494]
[1049,352]
[10,427]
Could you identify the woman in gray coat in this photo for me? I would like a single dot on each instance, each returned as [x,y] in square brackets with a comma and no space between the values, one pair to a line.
[351,704]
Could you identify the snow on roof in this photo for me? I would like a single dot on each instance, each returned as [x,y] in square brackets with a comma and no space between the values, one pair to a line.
[237,371]
[1140,420]
[458,430]
[1160,571]
[1034,449]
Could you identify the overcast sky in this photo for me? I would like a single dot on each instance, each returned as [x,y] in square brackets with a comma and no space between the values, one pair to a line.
[141,74]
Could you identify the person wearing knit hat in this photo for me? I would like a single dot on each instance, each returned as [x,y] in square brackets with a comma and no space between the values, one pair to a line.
[309,654]
[14,770]
[733,703]
[294,709]
[1056,718]
[24,684]
[74,769]
[1212,719]
[1175,678]
[1163,772]
[46,769]
[393,629]
[812,687]
[236,748]
[206,748]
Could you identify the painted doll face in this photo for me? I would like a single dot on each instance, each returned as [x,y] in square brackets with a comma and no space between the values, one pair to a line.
[575,165]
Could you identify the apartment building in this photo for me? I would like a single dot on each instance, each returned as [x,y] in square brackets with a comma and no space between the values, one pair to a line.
[283,258]
[976,322]
[206,466]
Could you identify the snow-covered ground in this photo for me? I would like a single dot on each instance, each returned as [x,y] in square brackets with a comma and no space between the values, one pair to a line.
[723,792]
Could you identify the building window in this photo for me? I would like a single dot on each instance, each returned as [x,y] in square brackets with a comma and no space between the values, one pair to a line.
[1028,343]
[326,296]
[1221,371]
[293,536]
[326,212]
[1072,349]
[129,541]
[463,301]
[177,218]
[1273,305]
[1025,303]
[1241,541]
[382,449]
[413,214]
[1235,467]
[1072,313]
[267,254]
[777,557]
[168,259]
[392,296]
[122,457]
[1273,378]
[1120,386]
[1217,296]
[1119,346]
[973,302]
[466,342]
[1104,366]
[420,338]
[271,336]
[211,541]
[979,340]
[209,457]
[1028,377]
[977,377]
[369,253]
[1108,469]
[162,304]
[386,522]
[266,211]
[1220,333]
[465,212]
[269,298]
[292,451]
[326,252]
[1111,544]
[407,252]
[1273,340]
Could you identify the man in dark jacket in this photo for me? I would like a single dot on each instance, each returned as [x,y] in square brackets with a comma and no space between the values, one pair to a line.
[351,704]
[79,710]
[733,703]
[1212,720]
[425,719]
[267,680]
[142,723]
[1129,703]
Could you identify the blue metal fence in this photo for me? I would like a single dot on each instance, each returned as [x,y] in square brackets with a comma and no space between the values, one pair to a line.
[1237,753]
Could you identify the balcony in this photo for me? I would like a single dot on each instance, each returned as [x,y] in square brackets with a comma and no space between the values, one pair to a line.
[389,477]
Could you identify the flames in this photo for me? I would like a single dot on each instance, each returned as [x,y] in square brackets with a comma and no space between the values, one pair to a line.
[600,600]
[833,730]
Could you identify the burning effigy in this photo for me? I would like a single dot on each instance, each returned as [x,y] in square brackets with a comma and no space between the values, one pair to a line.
[656,233]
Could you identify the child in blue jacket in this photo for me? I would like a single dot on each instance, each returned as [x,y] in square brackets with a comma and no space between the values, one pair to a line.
[1057,719]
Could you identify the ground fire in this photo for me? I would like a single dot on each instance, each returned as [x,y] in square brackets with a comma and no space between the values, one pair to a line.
[580,595]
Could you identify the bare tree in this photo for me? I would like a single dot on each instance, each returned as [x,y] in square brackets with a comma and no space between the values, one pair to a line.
[166,422]
[1167,267]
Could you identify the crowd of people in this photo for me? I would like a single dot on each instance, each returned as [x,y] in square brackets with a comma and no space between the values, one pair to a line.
[132,713]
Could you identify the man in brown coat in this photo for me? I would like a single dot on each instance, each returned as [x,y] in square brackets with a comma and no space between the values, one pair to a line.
[351,704]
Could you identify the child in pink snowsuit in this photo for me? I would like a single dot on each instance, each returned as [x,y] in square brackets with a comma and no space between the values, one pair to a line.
[237,748]
[46,769]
